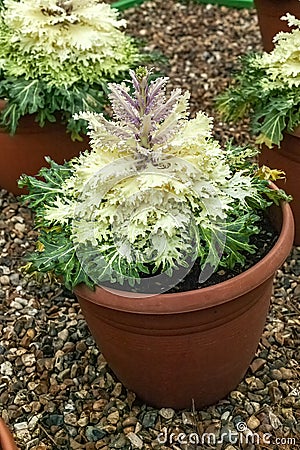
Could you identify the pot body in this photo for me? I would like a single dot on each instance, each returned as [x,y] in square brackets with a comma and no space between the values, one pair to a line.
[269,13]
[25,151]
[287,158]
[6,439]
[171,349]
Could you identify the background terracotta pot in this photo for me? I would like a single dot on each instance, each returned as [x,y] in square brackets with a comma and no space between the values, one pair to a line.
[6,439]
[172,348]
[25,151]
[269,13]
[287,158]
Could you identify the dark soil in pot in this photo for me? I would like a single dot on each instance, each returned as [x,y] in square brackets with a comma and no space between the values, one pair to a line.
[263,242]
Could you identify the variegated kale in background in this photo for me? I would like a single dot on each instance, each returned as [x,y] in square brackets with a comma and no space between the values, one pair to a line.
[267,88]
[155,190]
[56,57]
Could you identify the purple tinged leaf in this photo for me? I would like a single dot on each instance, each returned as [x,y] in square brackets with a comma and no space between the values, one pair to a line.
[171,125]
[116,129]
[145,118]
[156,93]
[134,81]
[165,109]
[123,91]
[123,105]
[140,89]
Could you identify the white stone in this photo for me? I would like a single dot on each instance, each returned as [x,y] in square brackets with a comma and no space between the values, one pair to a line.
[4,280]
[135,440]
[166,413]
[21,300]
[6,368]
[21,227]
[225,416]
[21,426]
[5,269]
[28,359]
[16,305]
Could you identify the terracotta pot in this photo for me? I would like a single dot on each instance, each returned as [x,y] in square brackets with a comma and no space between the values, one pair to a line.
[25,151]
[6,439]
[269,13]
[287,158]
[172,348]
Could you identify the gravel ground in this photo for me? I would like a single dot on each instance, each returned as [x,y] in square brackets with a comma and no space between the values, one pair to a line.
[202,44]
[56,390]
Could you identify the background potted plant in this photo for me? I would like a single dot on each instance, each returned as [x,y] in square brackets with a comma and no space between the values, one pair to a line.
[269,13]
[266,89]
[6,439]
[56,58]
[139,225]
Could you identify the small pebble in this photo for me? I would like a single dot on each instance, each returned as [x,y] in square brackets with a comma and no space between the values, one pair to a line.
[113,417]
[135,440]
[167,413]
[253,422]
[129,421]
[257,364]
[4,280]
[276,374]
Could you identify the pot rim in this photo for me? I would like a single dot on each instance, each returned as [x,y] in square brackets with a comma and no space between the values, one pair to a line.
[29,125]
[208,297]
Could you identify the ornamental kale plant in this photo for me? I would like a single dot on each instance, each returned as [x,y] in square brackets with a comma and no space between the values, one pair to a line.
[56,57]
[155,194]
[267,88]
